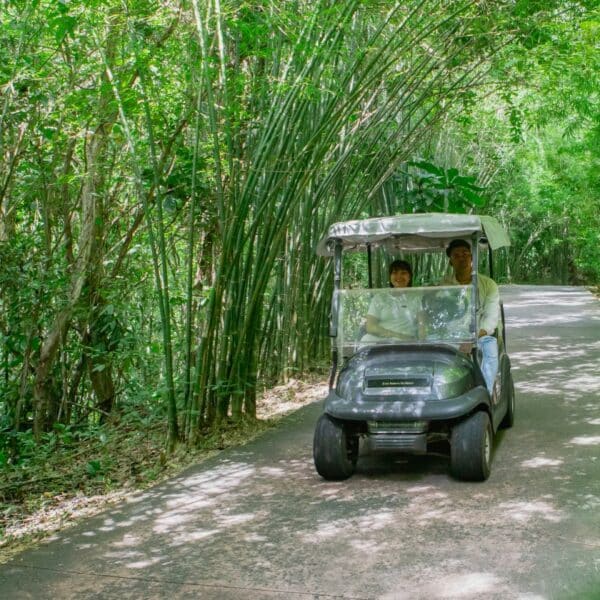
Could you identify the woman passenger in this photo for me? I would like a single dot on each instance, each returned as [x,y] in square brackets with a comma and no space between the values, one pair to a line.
[394,315]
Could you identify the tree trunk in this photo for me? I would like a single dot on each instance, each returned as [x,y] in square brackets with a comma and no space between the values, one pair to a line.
[44,376]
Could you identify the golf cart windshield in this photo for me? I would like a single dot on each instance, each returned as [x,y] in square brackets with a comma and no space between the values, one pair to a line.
[403,316]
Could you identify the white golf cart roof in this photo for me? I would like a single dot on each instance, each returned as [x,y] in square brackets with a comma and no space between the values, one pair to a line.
[413,232]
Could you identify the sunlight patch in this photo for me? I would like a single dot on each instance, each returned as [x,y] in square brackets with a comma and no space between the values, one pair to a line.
[132,521]
[220,479]
[289,397]
[428,492]
[255,537]
[525,511]
[327,531]
[142,564]
[541,461]
[128,555]
[332,529]
[418,489]
[590,502]
[587,383]
[363,545]
[273,471]
[586,440]
[128,541]
[463,586]
[192,536]
[229,520]
[375,521]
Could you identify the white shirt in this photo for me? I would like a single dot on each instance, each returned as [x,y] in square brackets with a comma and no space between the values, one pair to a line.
[397,312]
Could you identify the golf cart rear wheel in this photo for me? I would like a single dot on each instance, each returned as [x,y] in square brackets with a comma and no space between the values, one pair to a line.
[509,417]
[471,448]
[335,452]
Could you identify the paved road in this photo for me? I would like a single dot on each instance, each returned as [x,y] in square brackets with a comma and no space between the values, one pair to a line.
[258,523]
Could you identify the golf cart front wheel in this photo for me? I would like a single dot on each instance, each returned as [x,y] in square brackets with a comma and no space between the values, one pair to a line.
[335,452]
[471,448]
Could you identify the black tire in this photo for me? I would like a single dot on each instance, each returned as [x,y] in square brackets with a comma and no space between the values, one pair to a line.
[471,448]
[335,452]
[509,391]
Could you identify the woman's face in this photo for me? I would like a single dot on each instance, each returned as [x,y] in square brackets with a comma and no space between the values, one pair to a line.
[399,278]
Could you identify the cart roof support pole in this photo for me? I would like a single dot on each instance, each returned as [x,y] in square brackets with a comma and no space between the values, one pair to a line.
[333,323]
[475,299]
[370,265]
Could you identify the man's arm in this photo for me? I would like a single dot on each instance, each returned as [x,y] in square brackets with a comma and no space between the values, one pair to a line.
[490,307]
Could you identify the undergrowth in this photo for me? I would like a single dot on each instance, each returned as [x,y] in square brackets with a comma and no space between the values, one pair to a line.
[71,466]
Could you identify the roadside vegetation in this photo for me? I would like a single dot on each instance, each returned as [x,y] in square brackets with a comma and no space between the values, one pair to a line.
[167,169]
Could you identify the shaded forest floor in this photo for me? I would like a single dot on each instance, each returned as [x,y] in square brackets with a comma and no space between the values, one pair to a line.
[77,477]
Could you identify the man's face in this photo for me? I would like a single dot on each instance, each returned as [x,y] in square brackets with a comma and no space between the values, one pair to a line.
[460,258]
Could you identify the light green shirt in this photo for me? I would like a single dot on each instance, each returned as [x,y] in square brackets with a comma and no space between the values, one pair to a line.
[488,308]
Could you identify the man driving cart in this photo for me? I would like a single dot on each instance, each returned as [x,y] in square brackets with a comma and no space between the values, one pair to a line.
[488,307]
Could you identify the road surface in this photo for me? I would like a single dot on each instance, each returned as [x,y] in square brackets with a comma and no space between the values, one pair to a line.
[257,522]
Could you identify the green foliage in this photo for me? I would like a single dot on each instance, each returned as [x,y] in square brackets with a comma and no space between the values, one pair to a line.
[547,190]
[165,178]
[551,202]
[93,468]
[444,190]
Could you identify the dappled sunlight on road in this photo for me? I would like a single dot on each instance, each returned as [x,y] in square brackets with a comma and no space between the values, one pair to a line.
[227,477]
[175,521]
[536,307]
[564,318]
[466,585]
[556,355]
[526,511]
[541,461]
[437,506]
[588,502]
[585,440]
[461,585]
[347,528]
[255,538]
[337,494]
[128,541]
[535,294]
[258,522]
[144,564]
[426,490]
[238,513]
[558,372]
[192,535]
[548,354]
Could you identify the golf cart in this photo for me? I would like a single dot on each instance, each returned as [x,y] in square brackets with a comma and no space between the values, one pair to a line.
[405,395]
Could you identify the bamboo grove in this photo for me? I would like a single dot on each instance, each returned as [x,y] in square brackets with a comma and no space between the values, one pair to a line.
[168,167]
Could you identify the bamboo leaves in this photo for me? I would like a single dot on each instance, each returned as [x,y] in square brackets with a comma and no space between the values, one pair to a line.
[292,163]
[180,162]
